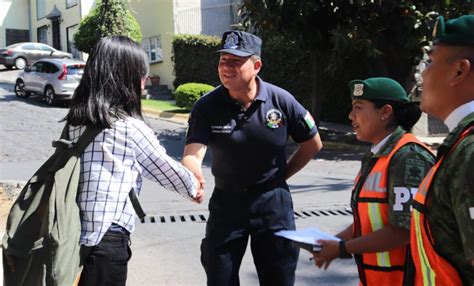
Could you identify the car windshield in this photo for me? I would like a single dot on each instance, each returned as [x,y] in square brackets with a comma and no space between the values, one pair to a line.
[75,69]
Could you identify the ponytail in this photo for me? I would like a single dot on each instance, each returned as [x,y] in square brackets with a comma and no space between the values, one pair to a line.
[406,115]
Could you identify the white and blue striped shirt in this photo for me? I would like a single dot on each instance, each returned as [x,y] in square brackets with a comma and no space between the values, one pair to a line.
[112,165]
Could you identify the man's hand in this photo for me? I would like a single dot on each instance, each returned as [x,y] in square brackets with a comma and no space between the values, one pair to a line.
[193,156]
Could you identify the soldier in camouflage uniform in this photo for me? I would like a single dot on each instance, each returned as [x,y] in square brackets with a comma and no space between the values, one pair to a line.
[391,171]
[448,202]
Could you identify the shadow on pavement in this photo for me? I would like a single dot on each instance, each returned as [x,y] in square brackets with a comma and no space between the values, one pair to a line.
[344,185]
[340,155]
[34,99]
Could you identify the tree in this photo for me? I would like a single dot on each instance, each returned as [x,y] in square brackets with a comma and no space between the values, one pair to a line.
[109,17]
[349,37]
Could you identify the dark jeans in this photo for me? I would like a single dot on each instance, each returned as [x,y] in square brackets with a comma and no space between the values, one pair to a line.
[106,263]
[236,217]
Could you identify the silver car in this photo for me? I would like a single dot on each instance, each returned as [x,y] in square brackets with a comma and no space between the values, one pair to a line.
[21,55]
[55,79]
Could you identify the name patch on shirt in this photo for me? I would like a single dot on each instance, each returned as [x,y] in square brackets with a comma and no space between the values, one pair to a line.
[221,129]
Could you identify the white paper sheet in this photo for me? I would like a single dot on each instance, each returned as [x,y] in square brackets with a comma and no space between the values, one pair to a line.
[308,235]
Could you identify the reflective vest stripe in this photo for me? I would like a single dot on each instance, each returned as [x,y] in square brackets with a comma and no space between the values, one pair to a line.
[375,217]
[426,270]
[431,268]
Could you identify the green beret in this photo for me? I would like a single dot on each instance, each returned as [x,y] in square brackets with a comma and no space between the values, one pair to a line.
[458,32]
[378,88]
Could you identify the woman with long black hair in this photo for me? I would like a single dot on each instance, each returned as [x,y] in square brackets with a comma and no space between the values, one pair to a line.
[118,158]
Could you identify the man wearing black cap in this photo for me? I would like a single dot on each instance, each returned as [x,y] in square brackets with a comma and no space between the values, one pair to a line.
[442,229]
[246,123]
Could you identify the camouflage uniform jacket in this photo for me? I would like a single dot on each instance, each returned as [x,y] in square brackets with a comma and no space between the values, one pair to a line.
[451,203]
[407,169]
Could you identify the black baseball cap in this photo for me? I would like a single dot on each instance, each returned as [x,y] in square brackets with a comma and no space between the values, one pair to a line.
[241,44]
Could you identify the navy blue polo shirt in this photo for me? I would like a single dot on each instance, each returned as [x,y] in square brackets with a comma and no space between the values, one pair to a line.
[248,146]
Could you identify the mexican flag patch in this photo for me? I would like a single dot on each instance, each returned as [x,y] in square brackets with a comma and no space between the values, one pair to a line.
[309,120]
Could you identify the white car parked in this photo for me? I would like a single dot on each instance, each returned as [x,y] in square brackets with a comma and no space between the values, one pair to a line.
[55,79]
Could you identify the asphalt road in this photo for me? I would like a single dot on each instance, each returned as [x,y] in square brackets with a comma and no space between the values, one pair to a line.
[166,246]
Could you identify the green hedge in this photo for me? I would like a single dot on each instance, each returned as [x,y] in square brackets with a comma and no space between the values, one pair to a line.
[187,94]
[195,59]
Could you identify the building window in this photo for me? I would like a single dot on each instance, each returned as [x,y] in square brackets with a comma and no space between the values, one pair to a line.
[42,34]
[70,3]
[152,47]
[14,36]
[71,48]
[40,9]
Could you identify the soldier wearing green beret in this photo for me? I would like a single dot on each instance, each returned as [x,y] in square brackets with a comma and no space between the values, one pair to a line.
[391,171]
[442,231]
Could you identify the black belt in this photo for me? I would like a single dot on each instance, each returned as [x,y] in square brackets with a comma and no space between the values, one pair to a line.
[259,188]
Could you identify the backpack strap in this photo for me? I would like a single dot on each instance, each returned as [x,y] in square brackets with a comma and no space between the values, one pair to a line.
[136,204]
[86,138]
[89,134]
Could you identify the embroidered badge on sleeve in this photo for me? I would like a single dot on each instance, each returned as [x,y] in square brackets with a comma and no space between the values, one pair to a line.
[309,120]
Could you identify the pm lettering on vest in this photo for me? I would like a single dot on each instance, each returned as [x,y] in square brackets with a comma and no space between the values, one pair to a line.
[402,196]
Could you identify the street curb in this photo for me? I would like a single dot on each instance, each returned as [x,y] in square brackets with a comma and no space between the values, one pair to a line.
[176,117]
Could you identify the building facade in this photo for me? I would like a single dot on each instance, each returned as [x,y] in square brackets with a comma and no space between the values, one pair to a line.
[54,22]
[14,22]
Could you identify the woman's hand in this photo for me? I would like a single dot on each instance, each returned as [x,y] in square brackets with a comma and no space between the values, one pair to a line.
[200,188]
[329,251]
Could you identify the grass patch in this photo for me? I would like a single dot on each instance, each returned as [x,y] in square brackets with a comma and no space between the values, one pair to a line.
[163,105]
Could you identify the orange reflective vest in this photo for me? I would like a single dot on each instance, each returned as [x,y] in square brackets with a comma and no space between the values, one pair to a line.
[431,268]
[371,214]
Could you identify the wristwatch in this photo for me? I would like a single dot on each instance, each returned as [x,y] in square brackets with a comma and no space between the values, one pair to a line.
[343,254]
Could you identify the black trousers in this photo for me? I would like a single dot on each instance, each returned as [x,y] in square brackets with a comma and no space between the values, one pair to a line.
[106,263]
[234,218]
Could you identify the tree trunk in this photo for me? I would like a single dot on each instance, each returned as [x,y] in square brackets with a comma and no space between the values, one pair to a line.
[316,89]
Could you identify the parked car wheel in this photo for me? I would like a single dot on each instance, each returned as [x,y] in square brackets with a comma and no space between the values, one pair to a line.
[49,95]
[20,89]
[20,63]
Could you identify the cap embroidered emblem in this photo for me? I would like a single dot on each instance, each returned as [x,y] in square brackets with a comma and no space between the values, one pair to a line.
[358,89]
[274,118]
[231,42]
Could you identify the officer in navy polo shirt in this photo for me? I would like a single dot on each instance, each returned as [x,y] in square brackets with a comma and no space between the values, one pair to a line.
[246,123]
